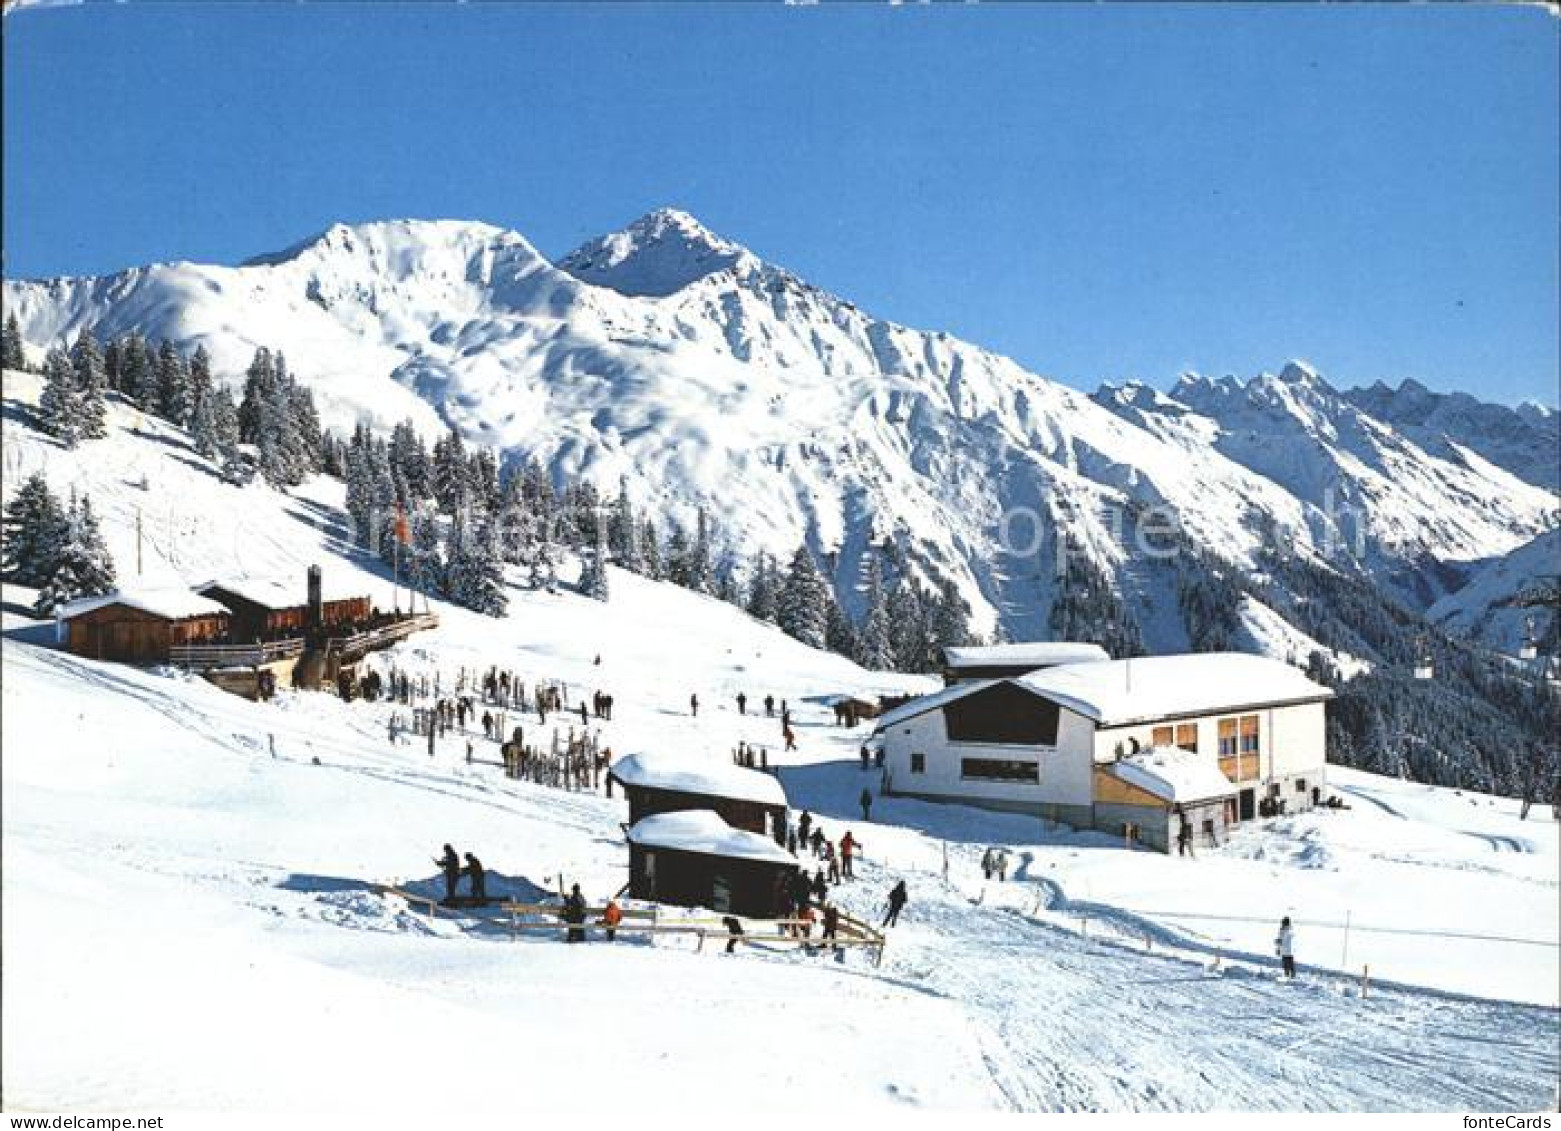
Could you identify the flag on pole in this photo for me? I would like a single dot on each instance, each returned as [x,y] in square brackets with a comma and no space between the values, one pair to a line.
[403,528]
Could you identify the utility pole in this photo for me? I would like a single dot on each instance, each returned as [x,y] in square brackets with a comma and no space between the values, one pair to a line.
[138,542]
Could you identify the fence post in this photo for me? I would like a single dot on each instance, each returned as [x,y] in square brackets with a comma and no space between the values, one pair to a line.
[1365,981]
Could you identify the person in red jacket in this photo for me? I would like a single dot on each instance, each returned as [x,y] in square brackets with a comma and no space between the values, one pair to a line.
[848,847]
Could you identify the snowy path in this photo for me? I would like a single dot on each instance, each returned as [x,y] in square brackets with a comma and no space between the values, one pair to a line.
[1081,1024]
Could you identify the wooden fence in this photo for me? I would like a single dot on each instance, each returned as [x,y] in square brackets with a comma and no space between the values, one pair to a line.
[548,917]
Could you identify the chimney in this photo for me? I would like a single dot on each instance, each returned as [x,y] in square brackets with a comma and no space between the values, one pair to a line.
[316,612]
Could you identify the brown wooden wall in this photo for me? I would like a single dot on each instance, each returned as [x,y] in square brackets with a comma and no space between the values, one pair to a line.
[688,879]
[1112,790]
[766,820]
[127,635]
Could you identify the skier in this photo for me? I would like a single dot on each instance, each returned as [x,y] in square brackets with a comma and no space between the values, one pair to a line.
[866,757]
[742,703]
[897,898]
[820,888]
[478,877]
[574,914]
[1284,946]
[451,865]
[848,847]
[693,705]
[866,802]
[804,826]
[817,841]
[769,706]
[612,915]
[986,864]
[790,736]
[1183,835]
[831,923]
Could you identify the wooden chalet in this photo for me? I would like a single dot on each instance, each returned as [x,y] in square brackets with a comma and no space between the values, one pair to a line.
[695,859]
[265,609]
[140,626]
[744,799]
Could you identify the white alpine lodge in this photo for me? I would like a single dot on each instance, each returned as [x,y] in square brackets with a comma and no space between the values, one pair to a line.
[1132,747]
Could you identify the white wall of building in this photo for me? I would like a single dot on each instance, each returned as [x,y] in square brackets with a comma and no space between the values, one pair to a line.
[1064,769]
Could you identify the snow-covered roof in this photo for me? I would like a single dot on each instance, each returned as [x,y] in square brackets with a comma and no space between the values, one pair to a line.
[1115,692]
[170,603]
[1035,654]
[275,595]
[925,703]
[707,777]
[700,830]
[1173,774]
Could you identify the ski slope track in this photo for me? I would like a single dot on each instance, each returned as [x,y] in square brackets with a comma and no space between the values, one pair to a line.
[191,921]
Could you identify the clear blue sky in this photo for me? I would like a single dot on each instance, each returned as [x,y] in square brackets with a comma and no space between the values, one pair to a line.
[1101,192]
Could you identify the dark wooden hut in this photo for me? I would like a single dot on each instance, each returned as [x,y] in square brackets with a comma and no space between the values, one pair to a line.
[141,626]
[743,798]
[695,859]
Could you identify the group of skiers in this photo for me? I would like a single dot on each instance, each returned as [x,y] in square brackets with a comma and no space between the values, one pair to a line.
[450,865]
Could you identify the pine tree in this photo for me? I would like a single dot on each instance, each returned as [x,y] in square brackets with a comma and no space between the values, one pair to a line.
[83,567]
[201,383]
[259,390]
[625,531]
[13,354]
[700,575]
[425,567]
[475,574]
[763,591]
[59,405]
[650,552]
[875,646]
[450,484]
[908,627]
[138,371]
[92,385]
[803,607]
[173,385]
[951,620]
[593,575]
[677,556]
[34,527]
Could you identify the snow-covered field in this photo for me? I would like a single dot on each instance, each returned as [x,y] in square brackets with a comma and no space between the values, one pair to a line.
[188,919]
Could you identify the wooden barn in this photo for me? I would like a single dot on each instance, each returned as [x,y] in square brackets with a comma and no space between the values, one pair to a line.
[744,799]
[140,626]
[695,859]
[266,609]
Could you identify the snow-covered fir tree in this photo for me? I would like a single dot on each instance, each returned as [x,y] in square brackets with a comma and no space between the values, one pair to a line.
[650,551]
[875,648]
[81,565]
[13,354]
[593,574]
[700,574]
[803,607]
[475,574]
[86,359]
[624,531]
[33,529]
[764,589]
[175,402]
[60,405]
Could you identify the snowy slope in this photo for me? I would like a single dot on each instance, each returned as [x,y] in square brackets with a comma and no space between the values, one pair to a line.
[1525,440]
[683,364]
[188,921]
[1389,499]
[1487,607]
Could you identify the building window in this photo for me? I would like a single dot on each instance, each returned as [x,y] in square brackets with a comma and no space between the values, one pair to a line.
[1249,734]
[1187,736]
[918,763]
[995,769]
[1162,736]
[1227,738]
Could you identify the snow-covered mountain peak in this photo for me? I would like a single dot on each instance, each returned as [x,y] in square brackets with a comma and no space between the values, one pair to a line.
[659,254]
